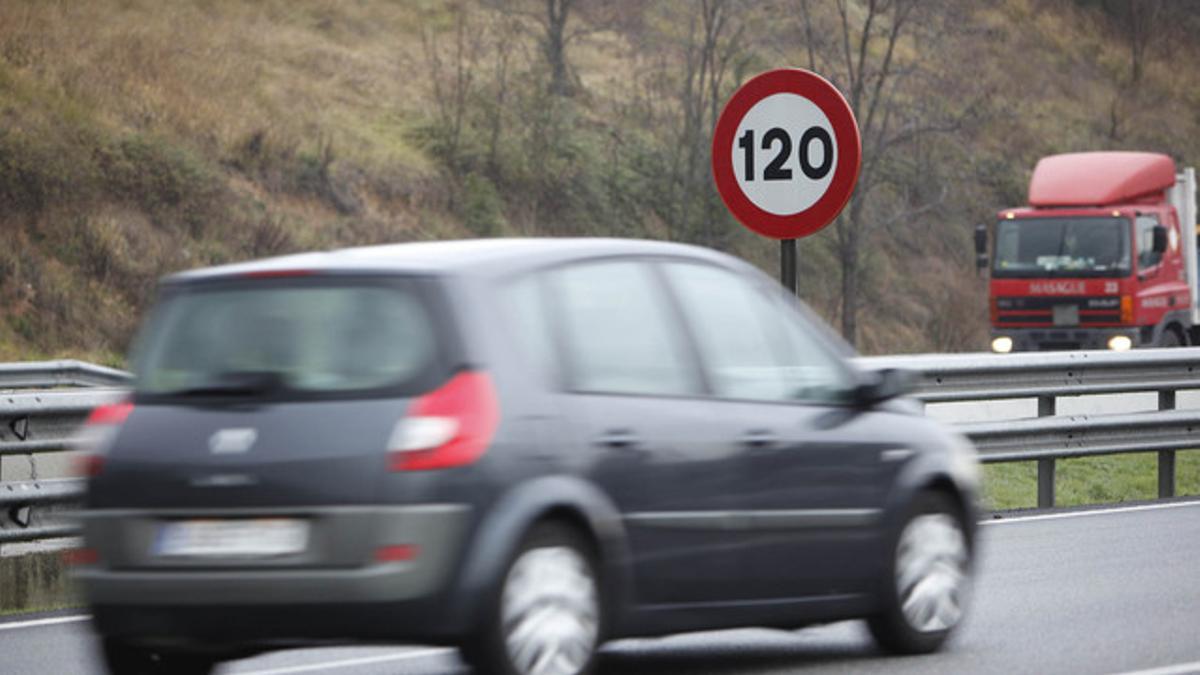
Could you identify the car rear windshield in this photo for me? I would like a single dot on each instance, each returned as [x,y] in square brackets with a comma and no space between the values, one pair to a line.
[313,337]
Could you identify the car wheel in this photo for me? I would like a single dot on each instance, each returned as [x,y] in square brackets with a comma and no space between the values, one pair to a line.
[1170,338]
[546,617]
[928,579]
[125,659]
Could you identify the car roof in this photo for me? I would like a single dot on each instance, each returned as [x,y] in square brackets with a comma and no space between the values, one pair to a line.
[467,256]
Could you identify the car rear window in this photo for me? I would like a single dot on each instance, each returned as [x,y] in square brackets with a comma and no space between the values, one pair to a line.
[300,337]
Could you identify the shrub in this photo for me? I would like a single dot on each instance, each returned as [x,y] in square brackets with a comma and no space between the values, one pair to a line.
[481,207]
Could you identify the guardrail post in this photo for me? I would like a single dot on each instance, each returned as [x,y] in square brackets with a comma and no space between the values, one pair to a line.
[1166,458]
[1046,406]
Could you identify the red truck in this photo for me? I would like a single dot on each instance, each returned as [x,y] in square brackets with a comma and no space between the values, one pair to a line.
[1104,256]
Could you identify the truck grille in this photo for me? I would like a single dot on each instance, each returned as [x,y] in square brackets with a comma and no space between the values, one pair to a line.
[1040,311]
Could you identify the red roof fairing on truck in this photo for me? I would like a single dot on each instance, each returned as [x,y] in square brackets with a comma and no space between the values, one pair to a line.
[1099,178]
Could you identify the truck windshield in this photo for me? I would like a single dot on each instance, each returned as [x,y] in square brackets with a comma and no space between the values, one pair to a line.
[1062,247]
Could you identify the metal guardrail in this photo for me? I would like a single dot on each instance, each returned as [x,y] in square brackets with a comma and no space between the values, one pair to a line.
[41,406]
[44,420]
[49,374]
[978,377]
[1046,376]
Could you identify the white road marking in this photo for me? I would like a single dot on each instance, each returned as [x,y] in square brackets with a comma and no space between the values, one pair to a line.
[1090,512]
[348,663]
[1177,669]
[44,622]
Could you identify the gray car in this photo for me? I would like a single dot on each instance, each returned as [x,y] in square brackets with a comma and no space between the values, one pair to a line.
[523,448]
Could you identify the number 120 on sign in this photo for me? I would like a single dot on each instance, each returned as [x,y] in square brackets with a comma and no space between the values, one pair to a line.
[784,168]
[779,140]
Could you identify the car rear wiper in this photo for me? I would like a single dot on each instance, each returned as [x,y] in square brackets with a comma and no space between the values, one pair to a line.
[236,383]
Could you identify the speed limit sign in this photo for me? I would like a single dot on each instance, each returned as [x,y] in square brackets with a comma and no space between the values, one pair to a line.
[786,153]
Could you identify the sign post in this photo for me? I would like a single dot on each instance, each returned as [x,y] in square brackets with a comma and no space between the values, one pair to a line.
[785,157]
[789,264]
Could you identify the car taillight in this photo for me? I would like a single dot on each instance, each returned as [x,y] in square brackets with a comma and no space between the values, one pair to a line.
[450,426]
[395,553]
[80,556]
[97,434]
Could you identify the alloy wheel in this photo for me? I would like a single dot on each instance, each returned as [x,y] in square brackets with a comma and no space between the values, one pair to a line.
[931,572]
[550,612]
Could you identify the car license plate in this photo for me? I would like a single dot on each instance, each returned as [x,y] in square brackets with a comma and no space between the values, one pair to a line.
[1066,315]
[246,538]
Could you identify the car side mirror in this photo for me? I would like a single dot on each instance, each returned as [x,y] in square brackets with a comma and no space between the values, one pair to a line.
[981,237]
[877,386]
[1160,239]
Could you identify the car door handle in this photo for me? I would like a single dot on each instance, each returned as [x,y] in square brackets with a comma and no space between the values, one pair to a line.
[758,439]
[619,438]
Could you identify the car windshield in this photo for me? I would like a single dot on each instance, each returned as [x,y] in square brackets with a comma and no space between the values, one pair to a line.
[1077,247]
[299,336]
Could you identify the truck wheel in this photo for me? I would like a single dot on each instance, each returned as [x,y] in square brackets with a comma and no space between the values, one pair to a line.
[546,617]
[927,581]
[121,658]
[1170,338]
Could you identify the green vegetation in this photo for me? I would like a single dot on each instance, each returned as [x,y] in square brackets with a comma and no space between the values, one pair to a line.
[1094,480]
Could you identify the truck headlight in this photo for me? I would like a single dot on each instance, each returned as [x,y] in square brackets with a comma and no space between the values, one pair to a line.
[1002,344]
[1120,343]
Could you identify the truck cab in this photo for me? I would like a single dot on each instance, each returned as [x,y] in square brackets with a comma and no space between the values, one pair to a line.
[1103,257]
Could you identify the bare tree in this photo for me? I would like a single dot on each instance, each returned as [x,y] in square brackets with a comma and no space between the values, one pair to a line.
[1138,19]
[554,24]
[713,40]
[453,77]
[503,53]
[554,45]
[859,53]
[1138,22]
[713,55]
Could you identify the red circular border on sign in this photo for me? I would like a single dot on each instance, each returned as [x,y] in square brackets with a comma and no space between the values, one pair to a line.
[825,96]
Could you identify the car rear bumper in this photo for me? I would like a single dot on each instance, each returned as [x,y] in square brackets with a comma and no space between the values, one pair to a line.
[374,583]
[326,591]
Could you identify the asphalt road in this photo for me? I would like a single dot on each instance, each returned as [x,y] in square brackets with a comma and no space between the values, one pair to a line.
[1113,591]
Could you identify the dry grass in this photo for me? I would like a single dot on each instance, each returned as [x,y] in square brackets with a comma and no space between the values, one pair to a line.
[141,138]
[216,72]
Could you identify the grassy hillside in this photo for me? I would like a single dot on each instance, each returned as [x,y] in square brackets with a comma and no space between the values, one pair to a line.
[141,137]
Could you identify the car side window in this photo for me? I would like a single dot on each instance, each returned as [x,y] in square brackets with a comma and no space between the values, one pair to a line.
[619,331]
[1147,257]
[753,345]
[527,317]
[816,373]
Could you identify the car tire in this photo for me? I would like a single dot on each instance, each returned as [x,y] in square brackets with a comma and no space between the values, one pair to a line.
[928,578]
[121,658]
[1170,338]
[546,616]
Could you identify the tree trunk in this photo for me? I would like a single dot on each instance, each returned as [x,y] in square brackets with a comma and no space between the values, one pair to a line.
[848,252]
[555,46]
